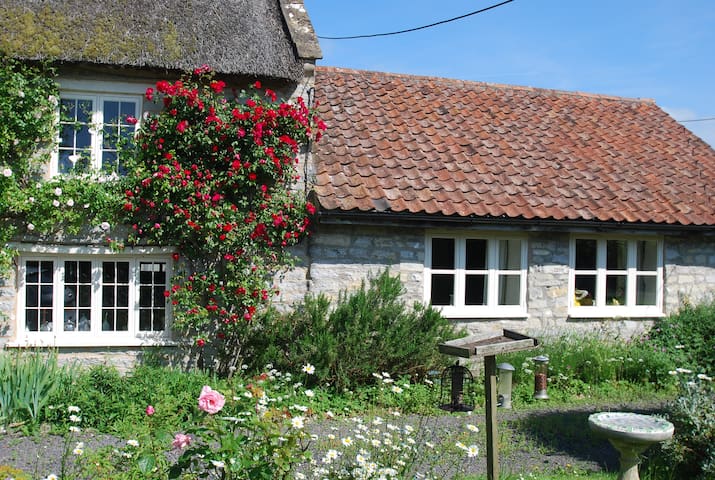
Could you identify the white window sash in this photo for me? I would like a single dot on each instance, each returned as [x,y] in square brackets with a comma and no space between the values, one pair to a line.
[600,308]
[491,309]
[96,336]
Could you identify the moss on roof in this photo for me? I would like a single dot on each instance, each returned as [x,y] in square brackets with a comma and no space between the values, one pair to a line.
[233,36]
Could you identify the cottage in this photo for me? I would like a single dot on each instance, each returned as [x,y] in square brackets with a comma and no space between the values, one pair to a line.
[75,293]
[514,207]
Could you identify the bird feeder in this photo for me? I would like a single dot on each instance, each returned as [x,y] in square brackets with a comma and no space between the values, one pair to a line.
[455,379]
[488,346]
[541,372]
[505,372]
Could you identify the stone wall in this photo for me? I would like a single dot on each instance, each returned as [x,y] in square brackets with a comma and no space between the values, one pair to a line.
[340,257]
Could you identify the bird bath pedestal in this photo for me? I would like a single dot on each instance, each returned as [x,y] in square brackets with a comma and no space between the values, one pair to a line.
[488,346]
[631,434]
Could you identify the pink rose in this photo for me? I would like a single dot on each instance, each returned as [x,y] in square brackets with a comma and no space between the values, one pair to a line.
[149,410]
[210,401]
[181,440]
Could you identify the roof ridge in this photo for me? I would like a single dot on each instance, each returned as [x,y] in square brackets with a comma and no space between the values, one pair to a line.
[499,86]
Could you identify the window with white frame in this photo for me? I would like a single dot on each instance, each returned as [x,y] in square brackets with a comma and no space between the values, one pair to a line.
[92,127]
[93,300]
[616,276]
[472,276]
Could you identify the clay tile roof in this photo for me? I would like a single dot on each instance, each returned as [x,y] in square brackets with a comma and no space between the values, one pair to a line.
[423,145]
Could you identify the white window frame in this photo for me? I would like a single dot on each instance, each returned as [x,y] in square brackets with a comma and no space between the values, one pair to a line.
[600,307]
[95,337]
[97,92]
[492,309]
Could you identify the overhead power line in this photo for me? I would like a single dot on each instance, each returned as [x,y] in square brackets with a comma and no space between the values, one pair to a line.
[352,37]
[708,119]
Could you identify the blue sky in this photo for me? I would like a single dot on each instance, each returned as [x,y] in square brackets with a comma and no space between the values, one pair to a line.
[658,49]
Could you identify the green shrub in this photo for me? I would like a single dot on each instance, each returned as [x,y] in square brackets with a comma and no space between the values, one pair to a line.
[367,331]
[688,336]
[691,451]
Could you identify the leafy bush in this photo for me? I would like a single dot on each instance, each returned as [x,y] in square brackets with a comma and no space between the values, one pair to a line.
[369,330]
[691,451]
[687,336]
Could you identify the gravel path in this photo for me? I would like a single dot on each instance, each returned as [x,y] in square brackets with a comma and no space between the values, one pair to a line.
[543,440]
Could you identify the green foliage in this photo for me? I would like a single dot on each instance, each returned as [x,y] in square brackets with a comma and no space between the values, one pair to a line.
[687,336]
[369,330]
[29,203]
[212,175]
[582,367]
[26,382]
[14,473]
[691,452]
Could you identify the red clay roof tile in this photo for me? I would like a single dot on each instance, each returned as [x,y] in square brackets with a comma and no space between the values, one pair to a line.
[427,145]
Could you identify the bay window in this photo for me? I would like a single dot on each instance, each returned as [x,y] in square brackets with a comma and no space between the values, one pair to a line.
[77,300]
[470,276]
[616,276]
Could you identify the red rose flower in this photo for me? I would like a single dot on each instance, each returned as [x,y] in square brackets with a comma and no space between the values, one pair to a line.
[182,126]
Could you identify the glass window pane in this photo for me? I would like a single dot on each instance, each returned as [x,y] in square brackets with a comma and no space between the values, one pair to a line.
[67,136]
[84,320]
[443,253]
[109,161]
[159,321]
[109,137]
[46,320]
[46,272]
[84,111]
[107,320]
[111,111]
[32,296]
[159,299]
[475,292]
[107,295]
[586,254]
[123,296]
[68,108]
[70,295]
[31,321]
[145,296]
[46,295]
[85,272]
[510,255]
[32,272]
[70,272]
[122,320]
[647,255]
[128,109]
[442,289]
[476,255]
[646,290]
[585,292]
[85,295]
[159,274]
[70,324]
[145,320]
[509,289]
[144,275]
[83,139]
[107,272]
[616,289]
[122,272]
[616,254]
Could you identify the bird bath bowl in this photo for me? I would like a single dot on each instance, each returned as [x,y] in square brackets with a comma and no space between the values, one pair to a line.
[631,434]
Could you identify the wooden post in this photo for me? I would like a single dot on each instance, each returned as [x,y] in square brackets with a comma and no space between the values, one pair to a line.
[490,392]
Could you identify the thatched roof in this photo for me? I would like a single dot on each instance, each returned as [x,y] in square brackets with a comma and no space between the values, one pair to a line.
[239,37]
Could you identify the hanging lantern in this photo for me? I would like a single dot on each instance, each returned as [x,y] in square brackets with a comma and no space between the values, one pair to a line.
[455,380]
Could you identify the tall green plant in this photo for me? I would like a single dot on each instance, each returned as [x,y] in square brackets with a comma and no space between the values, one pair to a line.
[27,381]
